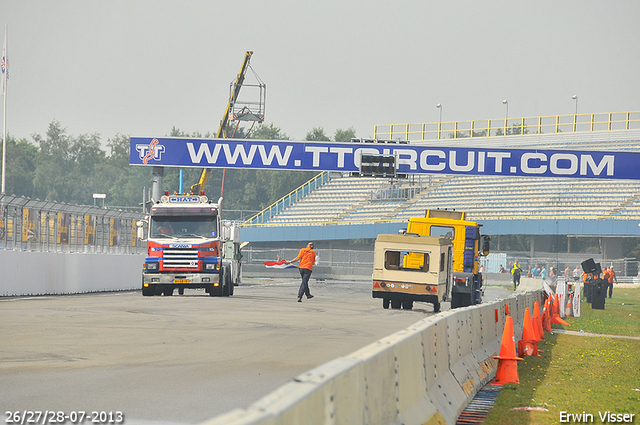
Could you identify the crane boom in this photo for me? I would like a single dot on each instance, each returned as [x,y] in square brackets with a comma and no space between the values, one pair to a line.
[222,130]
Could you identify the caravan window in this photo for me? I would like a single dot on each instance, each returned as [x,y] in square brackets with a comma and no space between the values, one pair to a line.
[406,260]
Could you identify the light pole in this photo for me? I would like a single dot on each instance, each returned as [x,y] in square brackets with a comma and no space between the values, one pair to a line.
[575,117]
[506,115]
[439,106]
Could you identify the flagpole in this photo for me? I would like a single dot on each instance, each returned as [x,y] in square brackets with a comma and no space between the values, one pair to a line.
[4,111]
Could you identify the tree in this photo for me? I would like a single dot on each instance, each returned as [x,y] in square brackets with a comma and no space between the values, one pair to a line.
[268,132]
[317,134]
[515,129]
[53,165]
[21,161]
[344,135]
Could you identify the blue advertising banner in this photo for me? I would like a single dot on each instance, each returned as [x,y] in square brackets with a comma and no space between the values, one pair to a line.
[334,156]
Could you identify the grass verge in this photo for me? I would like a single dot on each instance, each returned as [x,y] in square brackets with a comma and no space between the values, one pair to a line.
[580,374]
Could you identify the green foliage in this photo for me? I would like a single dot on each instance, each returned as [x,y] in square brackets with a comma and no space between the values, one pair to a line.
[465,134]
[344,135]
[21,165]
[65,164]
[514,129]
[268,132]
[317,135]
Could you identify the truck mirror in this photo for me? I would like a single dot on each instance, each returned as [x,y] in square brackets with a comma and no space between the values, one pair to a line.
[486,244]
[140,231]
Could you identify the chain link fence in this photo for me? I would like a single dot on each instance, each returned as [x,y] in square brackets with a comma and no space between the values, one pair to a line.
[326,257]
[34,225]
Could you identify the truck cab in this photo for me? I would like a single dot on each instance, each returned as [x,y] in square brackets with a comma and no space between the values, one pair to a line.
[468,246]
[188,246]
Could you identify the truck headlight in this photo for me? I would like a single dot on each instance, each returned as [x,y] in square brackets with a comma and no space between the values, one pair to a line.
[211,266]
[153,267]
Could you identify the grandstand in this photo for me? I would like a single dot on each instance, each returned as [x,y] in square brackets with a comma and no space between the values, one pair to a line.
[348,199]
[340,198]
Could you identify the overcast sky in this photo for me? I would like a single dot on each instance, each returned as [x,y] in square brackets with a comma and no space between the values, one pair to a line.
[140,67]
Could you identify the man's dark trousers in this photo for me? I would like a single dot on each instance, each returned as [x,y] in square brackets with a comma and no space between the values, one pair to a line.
[304,286]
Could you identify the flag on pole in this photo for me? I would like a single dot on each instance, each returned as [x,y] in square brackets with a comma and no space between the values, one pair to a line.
[278,265]
[5,64]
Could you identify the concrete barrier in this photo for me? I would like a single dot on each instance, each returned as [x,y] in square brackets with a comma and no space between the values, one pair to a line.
[425,374]
[44,273]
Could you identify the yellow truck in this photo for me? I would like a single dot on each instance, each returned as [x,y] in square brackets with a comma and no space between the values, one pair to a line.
[409,267]
[468,246]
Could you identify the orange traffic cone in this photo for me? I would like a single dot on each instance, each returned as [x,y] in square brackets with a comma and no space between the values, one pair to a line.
[568,312]
[537,321]
[546,316]
[556,313]
[528,345]
[507,372]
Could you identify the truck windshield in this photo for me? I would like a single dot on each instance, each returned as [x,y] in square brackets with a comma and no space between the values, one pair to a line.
[446,231]
[177,226]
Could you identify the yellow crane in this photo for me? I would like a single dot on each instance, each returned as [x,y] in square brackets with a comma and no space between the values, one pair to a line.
[233,112]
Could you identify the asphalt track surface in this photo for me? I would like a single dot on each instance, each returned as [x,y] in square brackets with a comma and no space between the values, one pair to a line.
[181,359]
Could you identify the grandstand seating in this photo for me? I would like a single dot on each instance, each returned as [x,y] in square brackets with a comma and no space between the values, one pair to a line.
[355,199]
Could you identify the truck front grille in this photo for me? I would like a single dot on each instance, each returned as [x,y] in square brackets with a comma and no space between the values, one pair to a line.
[178,258]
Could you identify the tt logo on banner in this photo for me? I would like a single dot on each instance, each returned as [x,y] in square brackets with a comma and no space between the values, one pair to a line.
[151,151]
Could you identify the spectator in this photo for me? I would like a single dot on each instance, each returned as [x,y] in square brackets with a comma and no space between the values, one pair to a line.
[576,273]
[515,271]
[612,277]
[535,271]
[502,269]
[543,273]
[567,273]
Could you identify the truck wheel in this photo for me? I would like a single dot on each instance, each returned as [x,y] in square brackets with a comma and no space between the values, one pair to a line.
[148,291]
[181,291]
[223,278]
[407,305]
[396,304]
[385,303]
[168,292]
[436,307]
[230,285]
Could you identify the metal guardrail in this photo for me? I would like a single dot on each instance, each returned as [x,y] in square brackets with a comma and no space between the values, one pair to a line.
[35,225]
[572,123]
[295,195]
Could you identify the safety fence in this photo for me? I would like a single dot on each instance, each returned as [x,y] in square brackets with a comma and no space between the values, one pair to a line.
[509,126]
[325,257]
[34,225]
[426,373]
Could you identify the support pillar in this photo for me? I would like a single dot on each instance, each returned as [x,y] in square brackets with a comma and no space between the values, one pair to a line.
[157,175]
